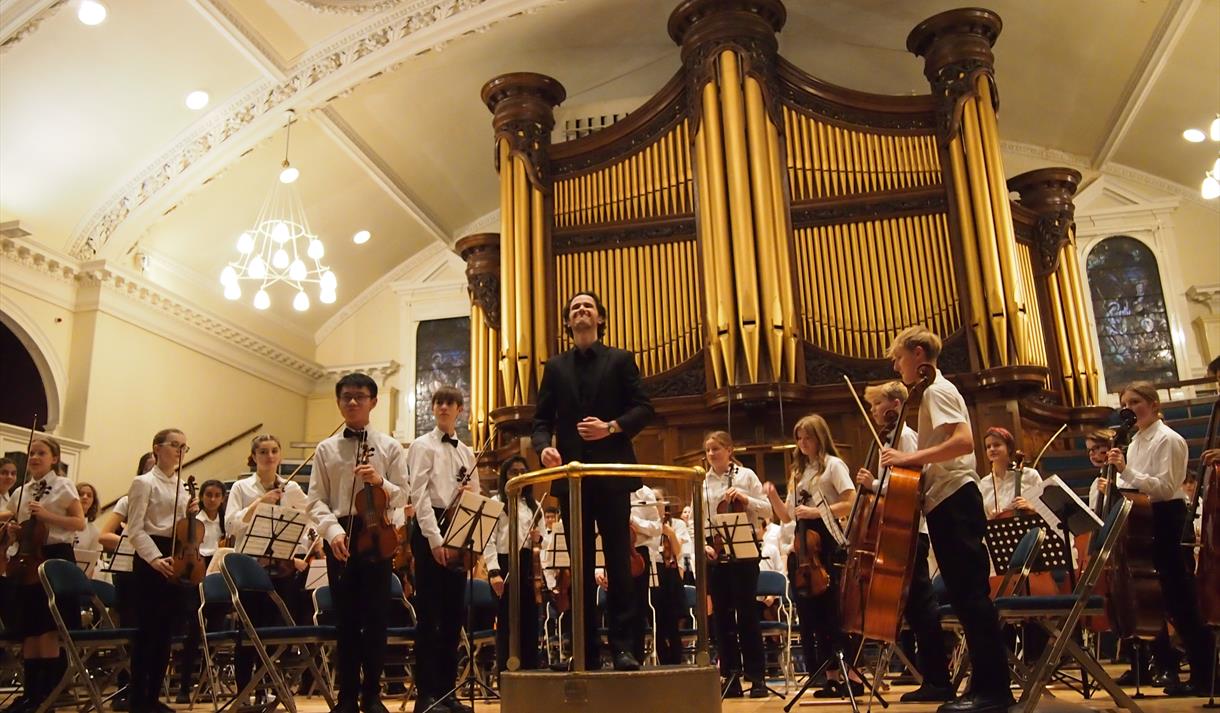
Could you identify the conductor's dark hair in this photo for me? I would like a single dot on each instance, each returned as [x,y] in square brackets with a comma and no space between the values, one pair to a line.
[601,311]
[358,381]
[447,395]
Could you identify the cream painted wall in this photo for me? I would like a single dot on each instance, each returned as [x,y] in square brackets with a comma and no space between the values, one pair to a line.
[371,334]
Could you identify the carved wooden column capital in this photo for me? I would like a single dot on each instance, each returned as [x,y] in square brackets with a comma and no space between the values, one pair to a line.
[956,48]
[523,112]
[481,251]
[1048,192]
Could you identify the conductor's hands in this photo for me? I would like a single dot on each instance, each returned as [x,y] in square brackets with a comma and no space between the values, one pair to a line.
[551,457]
[592,428]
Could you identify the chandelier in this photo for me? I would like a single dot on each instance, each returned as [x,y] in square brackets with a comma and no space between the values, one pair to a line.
[280,248]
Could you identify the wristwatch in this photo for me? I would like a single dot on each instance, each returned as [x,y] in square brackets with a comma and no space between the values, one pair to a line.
[613,427]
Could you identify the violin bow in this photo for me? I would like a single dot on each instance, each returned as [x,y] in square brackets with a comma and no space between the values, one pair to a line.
[1042,452]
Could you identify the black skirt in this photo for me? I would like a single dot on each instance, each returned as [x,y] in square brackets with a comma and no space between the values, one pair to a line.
[34,614]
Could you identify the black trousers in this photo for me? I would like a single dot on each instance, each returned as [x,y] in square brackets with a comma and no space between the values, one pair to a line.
[957,526]
[440,605]
[160,605]
[523,579]
[668,599]
[1175,569]
[611,512]
[923,617]
[734,587]
[821,627]
[361,591]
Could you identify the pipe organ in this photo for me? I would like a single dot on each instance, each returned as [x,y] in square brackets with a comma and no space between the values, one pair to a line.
[756,232]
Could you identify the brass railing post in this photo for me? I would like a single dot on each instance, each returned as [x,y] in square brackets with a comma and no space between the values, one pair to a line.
[576,562]
[514,590]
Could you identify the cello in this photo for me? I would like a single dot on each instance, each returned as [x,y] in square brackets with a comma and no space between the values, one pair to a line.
[1207,495]
[880,561]
[1134,604]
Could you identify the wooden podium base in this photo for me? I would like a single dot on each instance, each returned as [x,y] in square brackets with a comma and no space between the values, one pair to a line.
[673,689]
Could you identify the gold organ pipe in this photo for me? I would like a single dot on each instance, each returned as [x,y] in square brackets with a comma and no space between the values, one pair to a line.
[1089,354]
[538,280]
[475,333]
[649,308]
[906,278]
[780,200]
[706,238]
[508,282]
[673,145]
[940,287]
[521,261]
[890,280]
[875,277]
[923,288]
[833,305]
[1018,314]
[970,255]
[815,323]
[813,167]
[666,268]
[650,179]
[687,175]
[838,285]
[1066,368]
[992,273]
[859,294]
[764,225]
[667,191]
[1075,335]
[719,212]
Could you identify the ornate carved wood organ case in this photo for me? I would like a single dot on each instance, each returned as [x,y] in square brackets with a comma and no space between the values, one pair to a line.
[756,233]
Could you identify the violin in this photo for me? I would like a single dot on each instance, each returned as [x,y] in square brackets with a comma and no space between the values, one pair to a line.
[188,564]
[5,536]
[23,567]
[726,505]
[810,577]
[562,593]
[670,547]
[376,539]
[287,568]
[637,560]
[539,580]
[404,558]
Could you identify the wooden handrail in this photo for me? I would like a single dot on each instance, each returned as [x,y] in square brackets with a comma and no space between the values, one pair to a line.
[198,458]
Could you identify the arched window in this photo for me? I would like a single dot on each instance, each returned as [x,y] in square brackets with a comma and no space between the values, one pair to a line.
[1129,305]
[23,393]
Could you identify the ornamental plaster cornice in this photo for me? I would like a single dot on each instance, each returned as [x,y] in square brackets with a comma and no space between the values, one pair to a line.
[379,370]
[101,285]
[22,19]
[349,7]
[380,44]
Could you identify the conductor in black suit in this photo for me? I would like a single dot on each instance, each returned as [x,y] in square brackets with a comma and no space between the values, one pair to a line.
[592,401]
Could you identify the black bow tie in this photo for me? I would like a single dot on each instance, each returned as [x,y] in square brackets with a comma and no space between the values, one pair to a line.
[352,433]
[451,440]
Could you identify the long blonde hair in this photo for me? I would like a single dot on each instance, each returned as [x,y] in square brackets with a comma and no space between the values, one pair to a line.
[814,426]
[1146,391]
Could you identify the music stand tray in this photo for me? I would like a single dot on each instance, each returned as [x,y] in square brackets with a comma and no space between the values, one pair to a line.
[1003,536]
[275,533]
[738,535]
[474,521]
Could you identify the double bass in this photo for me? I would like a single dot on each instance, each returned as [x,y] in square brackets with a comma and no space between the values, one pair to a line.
[1207,496]
[881,558]
[1134,604]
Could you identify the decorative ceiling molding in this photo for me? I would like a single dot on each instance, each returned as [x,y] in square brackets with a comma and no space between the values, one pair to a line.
[381,44]
[356,148]
[96,284]
[22,19]
[379,370]
[350,7]
[243,37]
[419,266]
[486,223]
[1156,54]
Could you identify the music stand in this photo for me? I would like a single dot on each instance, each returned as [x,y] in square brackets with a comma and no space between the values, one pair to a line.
[559,555]
[85,558]
[274,533]
[738,535]
[474,520]
[1004,534]
[123,560]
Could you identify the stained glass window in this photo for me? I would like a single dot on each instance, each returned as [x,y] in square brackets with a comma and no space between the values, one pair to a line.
[1129,305]
[442,358]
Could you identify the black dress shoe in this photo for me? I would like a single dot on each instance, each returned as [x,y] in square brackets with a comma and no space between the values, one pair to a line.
[759,690]
[1165,679]
[928,693]
[830,689]
[119,703]
[733,690]
[1128,678]
[456,706]
[428,703]
[1189,689]
[347,706]
[979,704]
[624,661]
[372,704]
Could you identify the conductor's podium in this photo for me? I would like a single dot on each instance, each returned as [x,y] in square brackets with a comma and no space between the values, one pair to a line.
[673,689]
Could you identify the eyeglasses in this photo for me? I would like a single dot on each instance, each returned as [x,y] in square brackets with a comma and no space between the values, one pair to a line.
[177,446]
[1098,449]
[358,398]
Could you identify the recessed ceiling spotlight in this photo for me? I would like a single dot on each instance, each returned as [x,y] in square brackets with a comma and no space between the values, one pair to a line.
[1194,136]
[361,237]
[91,12]
[197,100]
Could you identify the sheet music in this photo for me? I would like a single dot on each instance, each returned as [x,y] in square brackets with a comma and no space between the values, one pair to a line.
[315,577]
[738,535]
[558,550]
[1057,495]
[473,522]
[85,559]
[832,523]
[275,532]
[124,557]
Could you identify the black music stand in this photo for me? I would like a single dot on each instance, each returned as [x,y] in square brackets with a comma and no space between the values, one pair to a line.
[123,559]
[1003,536]
[474,521]
[275,532]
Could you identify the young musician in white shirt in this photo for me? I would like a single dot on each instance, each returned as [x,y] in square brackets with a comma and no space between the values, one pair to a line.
[50,498]
[359,581]
[668,597]
[1155,464]
[999,486]
[921,610]
[819,484]
[733,583]
[440,466]
[953,507]
[497,559]
[156,502]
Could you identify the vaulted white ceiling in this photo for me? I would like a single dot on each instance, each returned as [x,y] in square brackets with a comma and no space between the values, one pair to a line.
[99,156]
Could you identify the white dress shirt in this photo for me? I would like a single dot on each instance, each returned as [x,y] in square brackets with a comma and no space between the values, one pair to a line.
[745,480]
[772,548]
[245,494]
[497,544]
[434,466]
[998,497]
[1156,463]
[833,483]
[686,544]
[86,539]
[333,479]
[212,533]
[647,520]
[58,496]
[942,405]
[151,511]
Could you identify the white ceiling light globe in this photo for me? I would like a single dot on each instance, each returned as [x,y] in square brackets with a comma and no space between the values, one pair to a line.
[91,12]
[1211,188]
[228,276]
[262,300]
[280,259]
[197,100]
[1214,130]
[280,232]
[289,174]
[327,296]
[329,281]
[316,249]
[296,270]
[232,292]
[361,237]
[257,268]
[245,243]
[1194,136]
[301,302]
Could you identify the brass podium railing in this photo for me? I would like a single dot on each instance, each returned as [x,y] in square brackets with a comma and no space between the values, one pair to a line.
[575,473]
